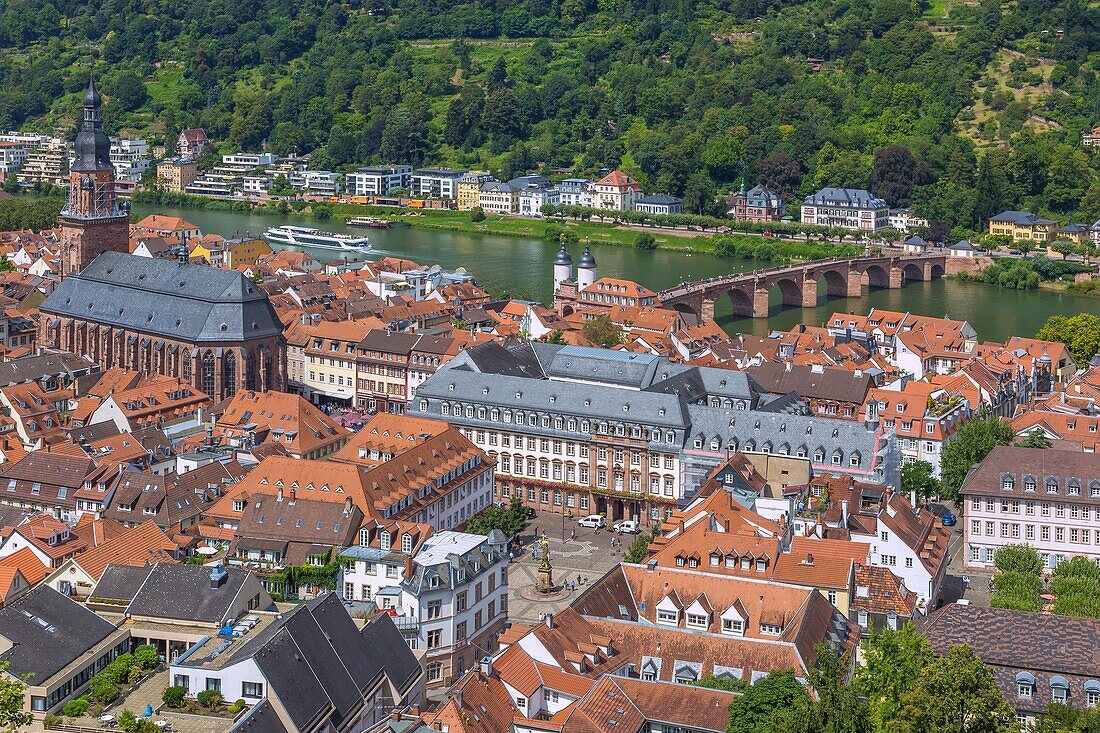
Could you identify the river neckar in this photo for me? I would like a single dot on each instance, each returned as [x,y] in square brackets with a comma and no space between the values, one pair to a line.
[521,267]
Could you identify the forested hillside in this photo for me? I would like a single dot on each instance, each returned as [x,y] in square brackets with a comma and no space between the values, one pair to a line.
[958,108]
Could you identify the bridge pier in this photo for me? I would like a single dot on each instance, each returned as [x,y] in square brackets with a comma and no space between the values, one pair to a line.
[809,293]
[853,285]
[706,312]
[896,277]
[760,302]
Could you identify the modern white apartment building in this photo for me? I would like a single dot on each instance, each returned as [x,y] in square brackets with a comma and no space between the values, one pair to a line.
[48,162]
[130,157]
[228,177]
[377,180]
[850,208]
[12,155]
[447,591]
[575,192]
[436,183]
[1047,499]
[319,183]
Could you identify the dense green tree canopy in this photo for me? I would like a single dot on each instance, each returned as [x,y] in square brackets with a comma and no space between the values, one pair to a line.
[690,97]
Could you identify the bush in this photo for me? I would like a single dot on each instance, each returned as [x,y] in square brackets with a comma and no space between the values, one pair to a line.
[209,698]
[103,689]
[76,708]
[645,240]
[147,656]
[52,722]
[1016,591]
[1078,567]
[237,706]
[477,214]
[173,696]
[1018,559]
[127,721]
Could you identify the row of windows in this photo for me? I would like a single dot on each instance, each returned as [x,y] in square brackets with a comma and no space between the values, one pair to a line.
[1012,530]
[1012,506]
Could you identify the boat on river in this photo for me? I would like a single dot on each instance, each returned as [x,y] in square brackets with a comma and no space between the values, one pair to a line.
[372,222]
[315,238]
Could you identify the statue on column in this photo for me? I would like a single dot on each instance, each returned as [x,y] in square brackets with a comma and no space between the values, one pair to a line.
[545,582]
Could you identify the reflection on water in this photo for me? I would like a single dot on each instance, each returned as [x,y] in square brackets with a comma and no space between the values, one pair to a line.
[521,267]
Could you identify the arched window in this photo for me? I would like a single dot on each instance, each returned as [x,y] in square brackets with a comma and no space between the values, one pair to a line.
[251,371]
[208,375]
[229,374]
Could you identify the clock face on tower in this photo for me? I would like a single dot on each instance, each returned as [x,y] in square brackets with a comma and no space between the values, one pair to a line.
[93,220]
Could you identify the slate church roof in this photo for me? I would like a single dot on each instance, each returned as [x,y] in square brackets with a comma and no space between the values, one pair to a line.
[193,303]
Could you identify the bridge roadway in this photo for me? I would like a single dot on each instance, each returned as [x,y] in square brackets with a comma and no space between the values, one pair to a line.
[845,278]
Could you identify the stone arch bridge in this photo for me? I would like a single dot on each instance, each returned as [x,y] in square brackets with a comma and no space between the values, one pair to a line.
[798,284]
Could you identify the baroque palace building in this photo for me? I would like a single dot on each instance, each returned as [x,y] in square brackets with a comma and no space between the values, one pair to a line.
[211,328]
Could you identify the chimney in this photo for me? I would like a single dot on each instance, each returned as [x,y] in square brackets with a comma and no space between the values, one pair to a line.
[486,665]
[408,566]
[549,620]
[347,507]
[279,494]
[293,496]
[844,513]
[913,500]
[218,576]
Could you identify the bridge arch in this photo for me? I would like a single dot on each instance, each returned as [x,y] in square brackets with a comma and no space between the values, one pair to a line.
[790,291]
[741,301]
[912,272]
[877,276]
[936,271]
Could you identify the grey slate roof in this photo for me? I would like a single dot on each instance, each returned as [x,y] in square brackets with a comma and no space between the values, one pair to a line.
[120,582]
[845,196]
[1021,218]
[184,592]
[43,649]
[658,199]
[28,368]
[318,663]
[261,718]
[606,386]
[188,302]
[838,384]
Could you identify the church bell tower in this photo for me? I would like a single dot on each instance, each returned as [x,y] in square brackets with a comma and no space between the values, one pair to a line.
[93,220]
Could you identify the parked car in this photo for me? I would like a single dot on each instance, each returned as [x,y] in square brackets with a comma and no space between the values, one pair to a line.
[592,521]
[627,526]
[948,519]
[530,513]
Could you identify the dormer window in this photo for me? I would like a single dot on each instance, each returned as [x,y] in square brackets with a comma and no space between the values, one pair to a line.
[1052,487]
[1029,484]
[1007,483]
[771,629]
[668,617]
[697,621]
[761,565]
[384,540]
[1059,689]
[733,626]
[1025,685]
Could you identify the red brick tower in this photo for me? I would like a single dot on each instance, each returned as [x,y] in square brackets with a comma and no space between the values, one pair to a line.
[92,221]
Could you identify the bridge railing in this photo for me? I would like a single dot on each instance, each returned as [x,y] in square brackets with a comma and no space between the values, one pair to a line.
[697,285]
